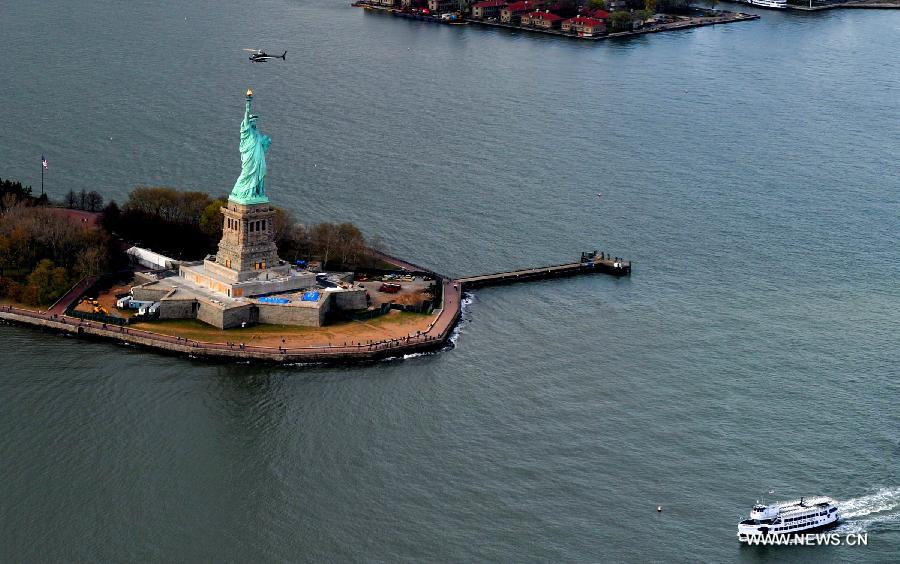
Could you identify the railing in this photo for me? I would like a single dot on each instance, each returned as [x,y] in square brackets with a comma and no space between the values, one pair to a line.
[103,318]
[539,269]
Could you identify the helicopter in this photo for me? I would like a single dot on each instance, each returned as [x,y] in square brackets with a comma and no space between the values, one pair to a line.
[260,56]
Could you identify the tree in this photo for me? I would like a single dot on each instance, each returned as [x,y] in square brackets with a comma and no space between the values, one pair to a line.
[169,221]
[211,220]
[712,4]
[324,237]
[109,219]
[10,288]
[672,6]
[12,192]
[283,224]
[22,252]
[71,200]
[351,243]
[46,283]
[94,201]
[650,5]
[168,204]
[5,254]
[82,200]
[620,21]
[91,262]
[597,4]
[287,234]
[295,243]
[8,200]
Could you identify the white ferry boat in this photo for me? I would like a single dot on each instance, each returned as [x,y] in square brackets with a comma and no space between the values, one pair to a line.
[779,4]
[790,518]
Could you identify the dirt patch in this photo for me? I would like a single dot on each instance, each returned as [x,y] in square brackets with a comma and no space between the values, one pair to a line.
[412,292]
[107,300]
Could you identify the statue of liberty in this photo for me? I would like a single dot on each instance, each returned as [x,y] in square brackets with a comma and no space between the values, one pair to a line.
[250,187]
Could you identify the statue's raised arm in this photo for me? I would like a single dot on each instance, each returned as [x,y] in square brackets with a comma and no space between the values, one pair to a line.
[250,187]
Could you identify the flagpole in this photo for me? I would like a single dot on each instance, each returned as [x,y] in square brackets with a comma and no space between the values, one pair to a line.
[42,177]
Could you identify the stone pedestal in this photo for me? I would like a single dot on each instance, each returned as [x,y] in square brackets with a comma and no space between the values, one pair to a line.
[248,241]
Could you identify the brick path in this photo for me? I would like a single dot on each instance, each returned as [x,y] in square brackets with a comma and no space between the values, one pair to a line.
[63,303]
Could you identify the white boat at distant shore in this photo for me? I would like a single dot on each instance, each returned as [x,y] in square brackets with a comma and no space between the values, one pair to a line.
[778,4]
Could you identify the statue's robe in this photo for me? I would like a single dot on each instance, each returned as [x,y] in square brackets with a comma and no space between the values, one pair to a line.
[250,187]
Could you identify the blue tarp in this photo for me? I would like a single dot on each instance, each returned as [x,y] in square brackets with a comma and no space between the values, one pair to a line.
[310,297]
[274,300]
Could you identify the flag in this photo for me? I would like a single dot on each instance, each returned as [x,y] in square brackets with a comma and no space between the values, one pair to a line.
[44,162]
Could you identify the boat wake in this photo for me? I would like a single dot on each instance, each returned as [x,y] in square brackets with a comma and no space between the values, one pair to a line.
[870,512]
[414,355]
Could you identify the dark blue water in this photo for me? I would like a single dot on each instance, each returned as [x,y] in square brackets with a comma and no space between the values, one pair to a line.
[749,170]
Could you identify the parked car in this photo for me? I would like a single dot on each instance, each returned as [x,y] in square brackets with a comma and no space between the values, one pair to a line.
[389,288]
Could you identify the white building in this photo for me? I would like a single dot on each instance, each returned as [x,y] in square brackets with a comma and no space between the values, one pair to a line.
[146,257]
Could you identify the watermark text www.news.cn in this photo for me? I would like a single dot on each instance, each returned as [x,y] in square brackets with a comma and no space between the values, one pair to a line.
[822,539]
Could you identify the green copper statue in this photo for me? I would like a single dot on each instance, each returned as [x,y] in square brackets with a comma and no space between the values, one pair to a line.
[250,187]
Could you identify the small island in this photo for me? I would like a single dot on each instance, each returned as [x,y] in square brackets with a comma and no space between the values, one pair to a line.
[230,277]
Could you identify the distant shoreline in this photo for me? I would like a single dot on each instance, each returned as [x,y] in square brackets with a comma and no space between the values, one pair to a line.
[686,22]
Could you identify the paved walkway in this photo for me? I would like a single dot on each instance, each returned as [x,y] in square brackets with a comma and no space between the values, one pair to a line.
[405,265]
[63,303]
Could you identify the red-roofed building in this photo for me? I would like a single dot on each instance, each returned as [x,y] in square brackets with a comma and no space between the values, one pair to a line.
[488,9]
[596,13]
[514,12]
[542,20]
[584,27]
